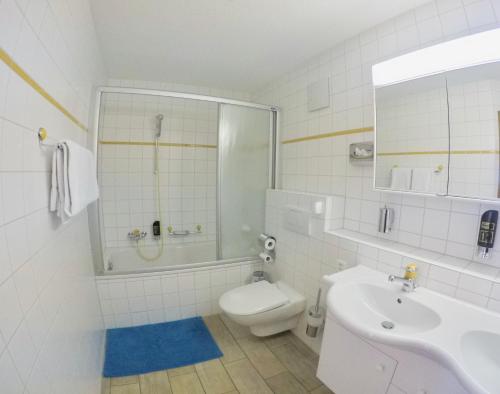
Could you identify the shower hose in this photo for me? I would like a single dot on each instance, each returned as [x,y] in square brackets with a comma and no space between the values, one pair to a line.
[158,207]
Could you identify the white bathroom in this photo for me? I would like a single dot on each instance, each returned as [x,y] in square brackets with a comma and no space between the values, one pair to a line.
[257,196]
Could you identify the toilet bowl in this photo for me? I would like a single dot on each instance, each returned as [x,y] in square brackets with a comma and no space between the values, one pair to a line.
[266,308]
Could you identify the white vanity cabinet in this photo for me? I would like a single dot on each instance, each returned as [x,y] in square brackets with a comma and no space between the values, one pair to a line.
[352,365]
[416,374]
[349,365]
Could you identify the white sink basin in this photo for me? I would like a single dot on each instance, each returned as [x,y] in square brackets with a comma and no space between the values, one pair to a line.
[387,307]
[462,337]
[481,352]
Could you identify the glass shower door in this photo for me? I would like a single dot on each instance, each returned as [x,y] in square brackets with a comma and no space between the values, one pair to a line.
[245,172]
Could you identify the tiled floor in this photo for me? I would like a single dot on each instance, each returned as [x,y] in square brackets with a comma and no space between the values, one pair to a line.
[280,364]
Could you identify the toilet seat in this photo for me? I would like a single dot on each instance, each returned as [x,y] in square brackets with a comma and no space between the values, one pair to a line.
[254,298]
[266,308]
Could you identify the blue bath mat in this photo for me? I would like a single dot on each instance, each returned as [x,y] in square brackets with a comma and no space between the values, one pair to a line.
[153,347]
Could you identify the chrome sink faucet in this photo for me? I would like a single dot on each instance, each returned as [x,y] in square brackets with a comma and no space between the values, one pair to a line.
[409,285]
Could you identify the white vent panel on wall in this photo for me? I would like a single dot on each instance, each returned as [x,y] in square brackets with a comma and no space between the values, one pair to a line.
[318,94]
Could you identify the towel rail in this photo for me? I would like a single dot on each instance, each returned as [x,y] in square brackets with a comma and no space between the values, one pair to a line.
[42,136]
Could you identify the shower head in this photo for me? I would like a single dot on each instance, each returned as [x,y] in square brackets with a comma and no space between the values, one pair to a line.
[159,119]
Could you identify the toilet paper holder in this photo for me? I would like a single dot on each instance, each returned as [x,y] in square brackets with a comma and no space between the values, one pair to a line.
[267,241]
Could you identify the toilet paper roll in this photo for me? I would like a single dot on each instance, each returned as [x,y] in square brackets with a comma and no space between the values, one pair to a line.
[267,241]
[266,258]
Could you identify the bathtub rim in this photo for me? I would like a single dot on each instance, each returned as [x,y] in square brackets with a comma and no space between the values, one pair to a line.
[164,270]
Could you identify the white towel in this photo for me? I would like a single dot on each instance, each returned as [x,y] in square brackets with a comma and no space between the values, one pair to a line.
[57,191]
[74,182]
[401,178]
[421,179]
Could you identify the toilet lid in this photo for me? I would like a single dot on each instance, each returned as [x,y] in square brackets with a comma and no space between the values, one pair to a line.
[253,298]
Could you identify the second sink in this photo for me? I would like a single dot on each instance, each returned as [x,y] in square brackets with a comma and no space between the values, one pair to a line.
[386,308]
[481,351]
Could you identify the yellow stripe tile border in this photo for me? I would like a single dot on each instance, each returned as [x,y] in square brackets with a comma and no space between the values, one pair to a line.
[4,56]
[441,152]
[328,135]
[146,143]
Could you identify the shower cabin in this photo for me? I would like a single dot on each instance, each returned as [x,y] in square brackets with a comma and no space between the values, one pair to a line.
[182,177]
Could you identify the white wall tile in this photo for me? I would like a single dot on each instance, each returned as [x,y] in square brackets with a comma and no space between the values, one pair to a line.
[49,310]
[475,285]
[10,309]
[23,351]
[17,242]
[480,13]
[463,228]
[152,286]
[11,381]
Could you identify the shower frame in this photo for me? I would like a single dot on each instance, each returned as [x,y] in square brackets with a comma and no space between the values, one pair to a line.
[274,137]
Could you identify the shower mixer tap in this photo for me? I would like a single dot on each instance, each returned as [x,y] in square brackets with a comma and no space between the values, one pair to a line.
[136,235]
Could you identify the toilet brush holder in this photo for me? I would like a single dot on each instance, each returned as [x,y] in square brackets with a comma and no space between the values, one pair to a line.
[315,318]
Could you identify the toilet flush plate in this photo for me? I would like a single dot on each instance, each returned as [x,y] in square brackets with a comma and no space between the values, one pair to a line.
[297,220]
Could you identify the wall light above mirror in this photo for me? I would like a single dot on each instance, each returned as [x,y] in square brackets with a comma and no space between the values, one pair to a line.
[437,116]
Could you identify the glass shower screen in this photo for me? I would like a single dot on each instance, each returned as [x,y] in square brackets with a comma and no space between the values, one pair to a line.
[245,172]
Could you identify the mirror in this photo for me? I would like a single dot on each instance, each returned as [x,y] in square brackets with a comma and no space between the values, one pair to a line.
[437,112]
[412,136]
[474,107]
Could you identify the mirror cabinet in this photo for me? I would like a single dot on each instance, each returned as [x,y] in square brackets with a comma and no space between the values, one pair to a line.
[437,132]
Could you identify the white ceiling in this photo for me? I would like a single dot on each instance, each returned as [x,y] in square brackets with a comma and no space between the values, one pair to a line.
[233,44]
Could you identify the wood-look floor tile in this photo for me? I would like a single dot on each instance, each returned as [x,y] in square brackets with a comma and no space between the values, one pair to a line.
[266,363]
[285,383]
[278,339]
[180,371]
[186,384]
[214,377]
[246,378]
[302,368]
[290,338]
[124,380]
[224,339]
[322,390]
[302,348]
[126,389]
[155,383]
[105,386]
[236,330]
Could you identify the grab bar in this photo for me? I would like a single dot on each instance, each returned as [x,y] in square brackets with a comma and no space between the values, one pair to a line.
[183,233]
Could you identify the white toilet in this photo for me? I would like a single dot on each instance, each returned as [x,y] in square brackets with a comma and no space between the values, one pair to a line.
[267,308]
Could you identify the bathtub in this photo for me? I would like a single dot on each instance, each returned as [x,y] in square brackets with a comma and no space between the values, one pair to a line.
[174,257]
[180,284]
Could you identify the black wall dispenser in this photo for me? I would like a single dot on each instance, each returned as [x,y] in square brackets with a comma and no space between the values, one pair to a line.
[487,231]
[156,228]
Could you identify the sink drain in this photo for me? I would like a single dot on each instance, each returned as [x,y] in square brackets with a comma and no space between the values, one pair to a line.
[388,325]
